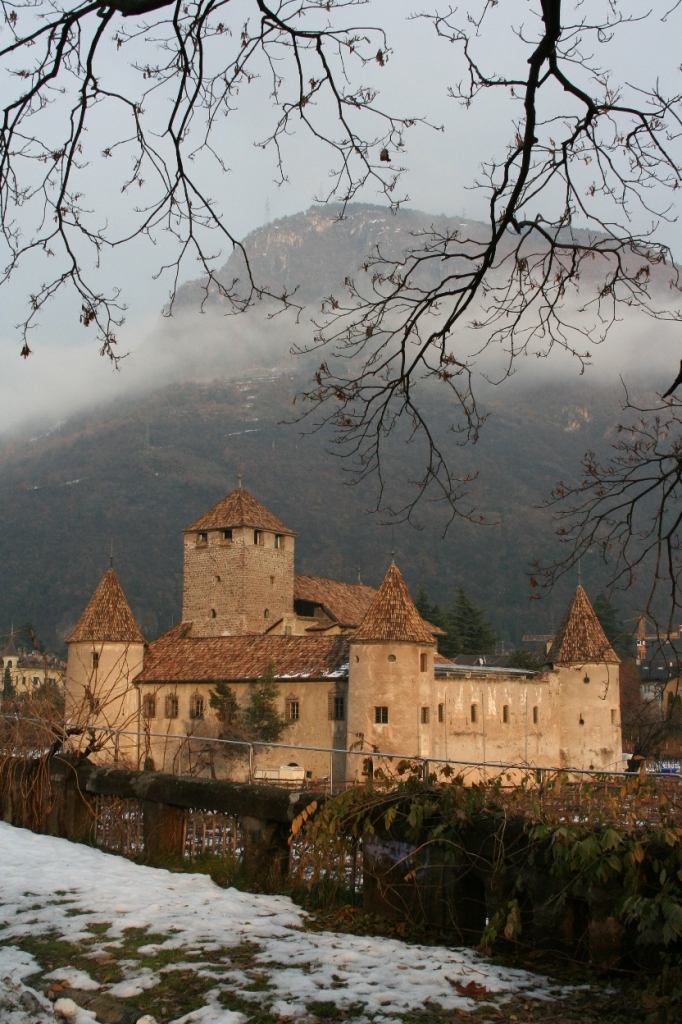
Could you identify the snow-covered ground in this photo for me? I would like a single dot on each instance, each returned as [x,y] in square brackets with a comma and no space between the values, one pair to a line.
[49,884]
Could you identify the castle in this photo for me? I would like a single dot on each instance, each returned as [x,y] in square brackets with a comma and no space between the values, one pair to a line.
[357,668]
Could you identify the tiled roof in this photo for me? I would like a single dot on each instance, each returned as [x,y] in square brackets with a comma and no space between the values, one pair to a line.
[393,614]
[239,509]
[580,637]
[347,603]
[108,616]
[177,657]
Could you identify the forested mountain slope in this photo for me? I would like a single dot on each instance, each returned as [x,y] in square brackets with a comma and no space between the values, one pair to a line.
[142,470]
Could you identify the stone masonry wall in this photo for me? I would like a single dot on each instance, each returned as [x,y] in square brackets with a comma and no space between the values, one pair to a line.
[236,586]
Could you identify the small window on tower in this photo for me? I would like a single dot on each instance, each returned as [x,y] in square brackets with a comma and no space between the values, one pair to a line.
[287,630]
[536,716]
[425,716]
[227,534]
[258,537]
[505,714]
[95,659]
[423,662]
[266,613]
[474,713]
[441,712]
[279,540]
[381,715]
[613,716]
[213,613]
[202,538]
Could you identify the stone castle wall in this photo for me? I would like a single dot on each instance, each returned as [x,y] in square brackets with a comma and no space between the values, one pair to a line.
[236,586]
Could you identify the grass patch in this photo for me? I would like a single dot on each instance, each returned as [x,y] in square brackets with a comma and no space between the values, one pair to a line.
[324,1008]
[178,993]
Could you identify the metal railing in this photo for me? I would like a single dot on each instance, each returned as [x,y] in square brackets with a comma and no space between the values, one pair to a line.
[426,761]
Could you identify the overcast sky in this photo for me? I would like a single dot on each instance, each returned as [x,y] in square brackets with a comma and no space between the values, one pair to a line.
[442,165]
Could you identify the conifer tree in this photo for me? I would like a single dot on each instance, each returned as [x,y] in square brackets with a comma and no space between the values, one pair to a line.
[261,716]
[430,611]
[226,706]
[617,634]
[468,631]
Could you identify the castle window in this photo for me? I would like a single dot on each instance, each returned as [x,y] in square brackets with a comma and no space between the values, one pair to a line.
[258,537]
[9,663]
[196,706]
[149,706]
[287,630]
[279,540]
[391,658]
[535,716]
[171,708]
[336,707]
[217,579]
[425,716]
[292,709]
[227,534]
[474,713]
[95,659]
[272,581]
[202,538]
[505,714]
[423,662]
[266,613]
[381,716]
[441,712]
[213,613]
[613,716]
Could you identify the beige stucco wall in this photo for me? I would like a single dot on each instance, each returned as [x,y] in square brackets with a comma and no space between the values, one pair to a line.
[313,728]
[237,579]
[104,695]
[389,675]
[590,716]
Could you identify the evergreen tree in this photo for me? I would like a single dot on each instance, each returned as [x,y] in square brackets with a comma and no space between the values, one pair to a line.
[467,629]
[7,688]
[226,706]
[261,717]
[429,611]
[620,638]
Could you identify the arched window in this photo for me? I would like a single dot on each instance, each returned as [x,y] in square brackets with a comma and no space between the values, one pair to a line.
[266,613]
[505,714]
[474,713]
[213,613]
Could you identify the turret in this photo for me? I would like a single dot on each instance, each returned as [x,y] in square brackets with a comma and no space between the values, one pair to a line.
[391,676]
[238,569]
[106,651]
[589,694]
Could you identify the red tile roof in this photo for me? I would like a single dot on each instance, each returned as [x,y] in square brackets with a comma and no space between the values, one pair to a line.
[393,615]
[580,637]
[239,509]
[346,603]
[177,657]
[107,616]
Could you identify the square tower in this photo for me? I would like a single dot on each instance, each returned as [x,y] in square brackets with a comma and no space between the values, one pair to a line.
[238,569]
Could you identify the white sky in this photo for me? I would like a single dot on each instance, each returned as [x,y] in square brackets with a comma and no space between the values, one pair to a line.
[442,165]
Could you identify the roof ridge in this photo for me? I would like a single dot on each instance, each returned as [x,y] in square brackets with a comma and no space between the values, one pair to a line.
[393,615]
[580,637]
[107,616]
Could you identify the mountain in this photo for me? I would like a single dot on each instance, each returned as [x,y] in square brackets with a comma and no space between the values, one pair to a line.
[139,470]
[142,470]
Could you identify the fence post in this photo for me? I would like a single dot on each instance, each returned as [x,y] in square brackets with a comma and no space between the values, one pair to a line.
[117,740]
[425,769]
[250,763]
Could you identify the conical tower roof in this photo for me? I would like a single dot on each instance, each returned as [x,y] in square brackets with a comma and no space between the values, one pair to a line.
[580,637]
[239,508]
[108,616]
[10,649]
[393,615]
